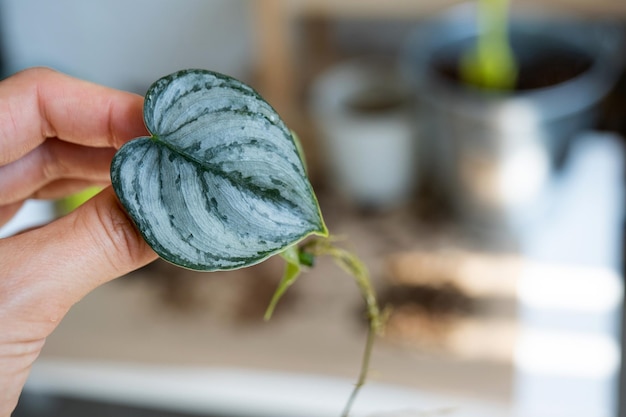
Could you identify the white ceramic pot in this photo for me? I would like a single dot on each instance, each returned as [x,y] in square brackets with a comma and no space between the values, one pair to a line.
[365,120]
[492,153]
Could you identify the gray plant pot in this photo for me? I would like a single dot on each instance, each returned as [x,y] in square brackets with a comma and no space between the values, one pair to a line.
[491,154]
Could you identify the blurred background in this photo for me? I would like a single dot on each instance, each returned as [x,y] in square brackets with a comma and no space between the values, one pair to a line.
[489,210]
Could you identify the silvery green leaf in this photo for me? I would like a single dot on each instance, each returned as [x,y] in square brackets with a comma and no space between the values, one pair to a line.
[220,184]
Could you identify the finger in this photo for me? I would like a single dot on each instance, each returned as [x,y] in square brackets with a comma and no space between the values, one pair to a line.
[8,211]
[65,188]
[45,271]
[53,160]
[56,265]
[40,103]
[52,191]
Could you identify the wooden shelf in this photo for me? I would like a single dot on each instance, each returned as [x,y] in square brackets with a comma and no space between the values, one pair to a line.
[276,22]
[420,8]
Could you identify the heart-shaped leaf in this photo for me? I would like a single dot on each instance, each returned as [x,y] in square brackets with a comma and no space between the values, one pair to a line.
[220,184]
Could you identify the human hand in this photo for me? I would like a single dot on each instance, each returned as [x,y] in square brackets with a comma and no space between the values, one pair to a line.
[57,136]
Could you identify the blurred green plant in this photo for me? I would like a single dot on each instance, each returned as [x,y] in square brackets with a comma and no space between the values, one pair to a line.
[490,63]
[70,203]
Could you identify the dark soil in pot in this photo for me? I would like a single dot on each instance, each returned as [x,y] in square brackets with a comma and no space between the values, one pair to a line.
[541,62]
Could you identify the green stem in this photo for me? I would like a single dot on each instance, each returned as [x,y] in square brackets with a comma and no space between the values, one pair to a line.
[290,275]
[365,366]
[355,268]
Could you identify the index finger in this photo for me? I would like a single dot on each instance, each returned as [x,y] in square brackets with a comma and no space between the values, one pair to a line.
[40,103]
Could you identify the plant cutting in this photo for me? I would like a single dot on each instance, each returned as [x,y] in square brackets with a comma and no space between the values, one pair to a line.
[221,184]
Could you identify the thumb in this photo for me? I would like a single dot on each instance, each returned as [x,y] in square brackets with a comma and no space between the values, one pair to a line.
[66,259]
[43,272]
